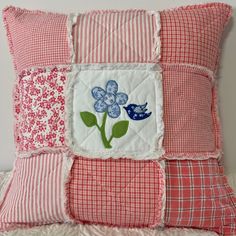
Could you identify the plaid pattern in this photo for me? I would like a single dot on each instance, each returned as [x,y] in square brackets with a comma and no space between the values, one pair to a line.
[121,192]
[191,127]
[192,34]
[45,35]
[198,195]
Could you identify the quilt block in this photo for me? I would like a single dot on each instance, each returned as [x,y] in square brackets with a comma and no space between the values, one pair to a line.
[116,119]
[111,108]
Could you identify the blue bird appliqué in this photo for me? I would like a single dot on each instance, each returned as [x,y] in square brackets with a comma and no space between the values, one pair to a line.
[137,112]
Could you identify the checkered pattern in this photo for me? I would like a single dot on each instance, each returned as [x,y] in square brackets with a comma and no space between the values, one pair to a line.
[191,127]
[36,38]
[121,192]
[192,34]
[198,195]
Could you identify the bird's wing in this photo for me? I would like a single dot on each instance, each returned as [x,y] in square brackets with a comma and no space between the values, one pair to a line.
[142,107]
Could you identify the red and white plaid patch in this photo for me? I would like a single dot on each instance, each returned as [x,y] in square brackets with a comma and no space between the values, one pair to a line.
[198,195]
[122,192]
[37,38]
[192,34]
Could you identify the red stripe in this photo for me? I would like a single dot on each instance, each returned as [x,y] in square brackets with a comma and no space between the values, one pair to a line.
[35,193]
[112,37]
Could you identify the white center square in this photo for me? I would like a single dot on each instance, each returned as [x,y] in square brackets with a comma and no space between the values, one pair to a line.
[115,111]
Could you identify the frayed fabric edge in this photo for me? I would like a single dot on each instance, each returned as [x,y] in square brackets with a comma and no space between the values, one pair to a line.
[69,139]
[68,160]
[156,53]
[160,224]
[71,20]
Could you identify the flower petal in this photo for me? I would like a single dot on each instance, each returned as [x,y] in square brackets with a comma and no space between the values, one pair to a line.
[114,110]
[121,98]
[98,93]
[112,87]
[109,99]
[100,106]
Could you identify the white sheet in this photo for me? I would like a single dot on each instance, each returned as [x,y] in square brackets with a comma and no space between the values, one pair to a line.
[95,230]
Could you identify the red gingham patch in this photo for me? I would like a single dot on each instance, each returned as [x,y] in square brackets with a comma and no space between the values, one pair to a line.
[36,38]
[120,192]
[198,196]
[191,126]
[192,34]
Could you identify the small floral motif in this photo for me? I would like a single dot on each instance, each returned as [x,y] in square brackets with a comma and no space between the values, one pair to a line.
[109,100]
[41,119]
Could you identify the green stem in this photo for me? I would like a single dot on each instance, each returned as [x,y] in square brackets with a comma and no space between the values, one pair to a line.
[102,129]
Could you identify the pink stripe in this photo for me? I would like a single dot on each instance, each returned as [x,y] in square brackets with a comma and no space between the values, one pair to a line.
[35,193]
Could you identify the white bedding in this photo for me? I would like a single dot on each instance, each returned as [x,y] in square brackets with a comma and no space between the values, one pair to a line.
[95,230]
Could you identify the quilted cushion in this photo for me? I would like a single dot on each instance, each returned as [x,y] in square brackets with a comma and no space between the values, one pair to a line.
[134,87]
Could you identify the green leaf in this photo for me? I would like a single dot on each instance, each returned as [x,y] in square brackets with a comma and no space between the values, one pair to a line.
[120,128]
[88,118]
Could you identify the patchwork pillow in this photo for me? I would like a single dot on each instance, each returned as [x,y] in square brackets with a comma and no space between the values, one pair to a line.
[116,119]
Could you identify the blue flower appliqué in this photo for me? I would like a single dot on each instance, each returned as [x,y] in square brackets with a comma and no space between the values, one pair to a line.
[109,100]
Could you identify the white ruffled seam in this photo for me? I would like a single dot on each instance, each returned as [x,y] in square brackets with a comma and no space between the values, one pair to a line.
[156,53]
[162,204]
[193,156]
[71,20]
[43,150]
[154,154]
[211,75]
[67,164]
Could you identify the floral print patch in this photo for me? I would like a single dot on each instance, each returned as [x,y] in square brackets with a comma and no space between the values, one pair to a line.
[43,104]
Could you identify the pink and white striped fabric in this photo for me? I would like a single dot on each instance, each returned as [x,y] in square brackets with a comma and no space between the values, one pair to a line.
[115,37]
[36,192]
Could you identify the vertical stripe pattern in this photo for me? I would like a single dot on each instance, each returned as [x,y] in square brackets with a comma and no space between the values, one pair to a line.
[36,192]
[114,37]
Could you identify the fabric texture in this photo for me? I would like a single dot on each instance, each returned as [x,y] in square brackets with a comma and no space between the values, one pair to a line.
[121,118]
[116,37]
[55,102]
[41,111]
[124,193]
[198,195]
[48,45]
[36,192]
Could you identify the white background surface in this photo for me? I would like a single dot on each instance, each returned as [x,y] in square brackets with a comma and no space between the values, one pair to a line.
[227,81]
